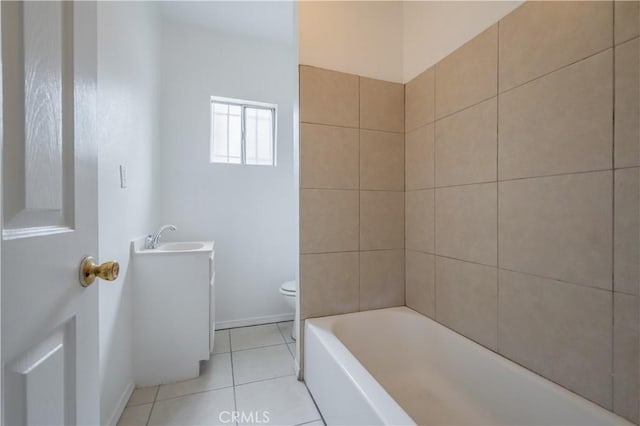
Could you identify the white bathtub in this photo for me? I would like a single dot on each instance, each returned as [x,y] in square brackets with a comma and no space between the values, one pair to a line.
[395,367]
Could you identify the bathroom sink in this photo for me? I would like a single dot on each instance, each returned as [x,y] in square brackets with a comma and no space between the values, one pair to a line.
[180,246]
[174,314]
[169,248]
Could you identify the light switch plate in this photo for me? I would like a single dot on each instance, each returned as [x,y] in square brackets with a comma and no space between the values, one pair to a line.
[123,177]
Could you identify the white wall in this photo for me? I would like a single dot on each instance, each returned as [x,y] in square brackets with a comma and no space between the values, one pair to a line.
[357,37]
[390,40]
[127,81]
[433,29]
[249,211]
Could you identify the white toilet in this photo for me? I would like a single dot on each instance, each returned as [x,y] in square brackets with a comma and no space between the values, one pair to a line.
[288,290]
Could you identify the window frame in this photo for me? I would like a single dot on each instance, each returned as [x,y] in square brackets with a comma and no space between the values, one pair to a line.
[243,104]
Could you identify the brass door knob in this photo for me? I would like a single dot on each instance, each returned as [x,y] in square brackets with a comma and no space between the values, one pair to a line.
[89,270]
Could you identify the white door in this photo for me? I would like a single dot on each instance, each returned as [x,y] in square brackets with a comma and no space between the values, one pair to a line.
[49,321]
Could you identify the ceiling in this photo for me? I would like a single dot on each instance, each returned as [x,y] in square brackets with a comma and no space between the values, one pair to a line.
[268,20]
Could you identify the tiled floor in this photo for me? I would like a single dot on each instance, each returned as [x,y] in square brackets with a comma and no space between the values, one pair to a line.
[251,371]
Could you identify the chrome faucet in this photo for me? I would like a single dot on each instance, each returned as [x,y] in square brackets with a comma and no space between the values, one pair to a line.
[152,241]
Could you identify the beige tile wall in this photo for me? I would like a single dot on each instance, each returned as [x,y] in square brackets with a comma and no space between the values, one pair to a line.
[510,209]
[352,168]
[522,203]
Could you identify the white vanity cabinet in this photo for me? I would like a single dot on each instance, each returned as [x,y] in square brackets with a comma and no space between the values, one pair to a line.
[173,304]
[212,298]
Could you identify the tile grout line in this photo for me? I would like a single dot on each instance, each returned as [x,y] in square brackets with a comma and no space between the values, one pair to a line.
[233,385]
[284,336]
[557,69]
[199,392]
[233,376]
[627,167]
[285,342]
[579,172]
[523,273]
[392,132]
[239,385]
[485,99]
[315,404]
[498,93]
[350,251]
[529,369]
[274,345]
[365,129]
[153,405]
[428,122]
[359,193]
[249,326]
[613,206]
[291,353]
[465,108]
[621,42]
[404,188]
[498,192]
[584,286]
[299,304]
[318,188]
[433,179]
[309,422]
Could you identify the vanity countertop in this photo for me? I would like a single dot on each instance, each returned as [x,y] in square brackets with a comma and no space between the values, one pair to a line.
[172,247]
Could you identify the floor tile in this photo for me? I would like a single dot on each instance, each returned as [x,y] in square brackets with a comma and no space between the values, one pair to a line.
[286,400]
[221,343]
[292,349]
[255,337]
[286,328]
[262,363]
[208,408]
[214,374]
[143,396]
[135,416]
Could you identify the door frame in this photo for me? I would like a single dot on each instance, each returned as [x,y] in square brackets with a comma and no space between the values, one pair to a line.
[1,219]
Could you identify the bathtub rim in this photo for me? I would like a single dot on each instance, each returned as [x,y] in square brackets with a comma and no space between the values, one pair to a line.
[323,329]
[385,407]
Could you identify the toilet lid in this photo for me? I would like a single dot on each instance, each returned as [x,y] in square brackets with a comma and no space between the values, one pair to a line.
[289,286]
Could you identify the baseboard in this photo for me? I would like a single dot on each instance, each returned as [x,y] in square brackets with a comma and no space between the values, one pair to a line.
[121,405]
[220,325]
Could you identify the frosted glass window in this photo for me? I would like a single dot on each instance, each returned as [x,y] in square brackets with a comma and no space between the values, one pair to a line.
[242,132]
[226,130]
